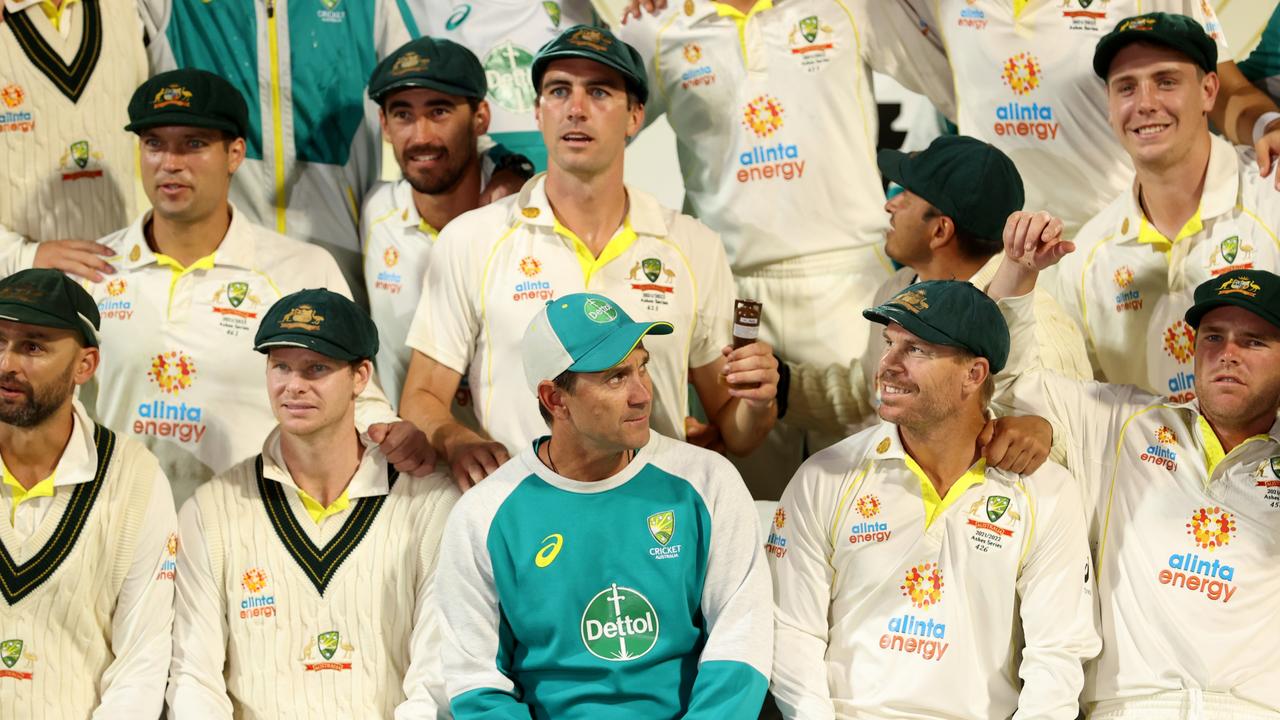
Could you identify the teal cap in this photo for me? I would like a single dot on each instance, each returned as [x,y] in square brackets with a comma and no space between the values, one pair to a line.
[949,312]
[582,333]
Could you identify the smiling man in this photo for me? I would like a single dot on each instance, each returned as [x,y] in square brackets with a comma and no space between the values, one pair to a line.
[577,227]
[912,579]
[1183,499]
[194,278]
[1197,208]
[607,571]
[306,571]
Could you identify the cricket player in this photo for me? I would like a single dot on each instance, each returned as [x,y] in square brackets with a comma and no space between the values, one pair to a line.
[305,575]
[88,538]
[1024,84]
[506,36]
[430,95]
[911,579]
[1182,499]
[1196,209]
[776,125]
[606,571]
[575,228]
[195,276]
[946,225]
[67,69]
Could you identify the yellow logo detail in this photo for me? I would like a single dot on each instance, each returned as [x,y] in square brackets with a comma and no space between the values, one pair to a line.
[913,300]
[172,95]
[410,62]
[531,212]
[591,38]
[550,550]
[254,580]
[116,288]
[303,317]
[1239,286]
[135,253]
[1021,73]
[763,116]
[883,446]
[692,52]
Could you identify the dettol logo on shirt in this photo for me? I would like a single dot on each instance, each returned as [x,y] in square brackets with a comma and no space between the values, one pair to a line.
[619,624]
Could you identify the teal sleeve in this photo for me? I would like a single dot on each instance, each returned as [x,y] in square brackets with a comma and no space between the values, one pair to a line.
[1264,61]
[725,690]
[489,704]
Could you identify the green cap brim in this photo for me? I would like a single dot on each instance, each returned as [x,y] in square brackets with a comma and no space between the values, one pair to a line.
[616,346]
[182,119]
[540,66]
[885,314]
[412,82]
[30,315]
[892,165]
[1196,312]
[1111,45]
[308,342]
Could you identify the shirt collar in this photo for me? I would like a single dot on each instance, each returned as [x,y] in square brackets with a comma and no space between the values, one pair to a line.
[1221,191]
[369,480]
[532,207]
[17,6]
[711,8]
[987,272]
[79,461]
[235,250]
[406,212]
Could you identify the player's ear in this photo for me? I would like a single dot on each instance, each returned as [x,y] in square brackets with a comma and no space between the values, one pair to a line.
[362,372]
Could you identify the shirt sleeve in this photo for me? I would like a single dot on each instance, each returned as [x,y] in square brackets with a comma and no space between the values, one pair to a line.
[475,653]
[446,322]
[831,399]
[713,321]
[16,252]
[1055,589]
[1061,342]
[733,671]
[424,680]
[899,42]
[800,553]
[197,688]
[141,626]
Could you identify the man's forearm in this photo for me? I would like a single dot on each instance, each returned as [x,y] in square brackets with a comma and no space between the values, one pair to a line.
[743,425]
[435,418]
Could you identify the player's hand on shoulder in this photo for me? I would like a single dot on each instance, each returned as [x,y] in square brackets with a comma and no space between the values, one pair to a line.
[1268,150]
[752,373]
[472,461]
[1034,239]
[405,447]
[1017,444]
[634,7]
[503,182]
[82,258]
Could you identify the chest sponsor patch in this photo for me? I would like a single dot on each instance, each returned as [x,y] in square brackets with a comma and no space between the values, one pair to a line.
[1027,115]
[868,529]
[1128,298]
[697,73]
[117,305]
[763,118]
[990,518]
[14,115]
[327,651]
[776,545]
[619,624]
[1267,481]
[17,661]
[171,373]
[1198,571]
[256,599]
[812,41]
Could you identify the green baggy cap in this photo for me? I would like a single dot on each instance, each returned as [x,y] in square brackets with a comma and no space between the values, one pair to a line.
[1257,291]
[593,43]
[188,98]
[1179,32]
[319,320]
[949,312]
[49,298]
[432,63]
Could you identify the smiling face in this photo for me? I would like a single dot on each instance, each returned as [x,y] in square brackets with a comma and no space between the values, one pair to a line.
[922,384]
[433,135]
[585,116]
[1158,104]
[310,392]
[40,368]
[186,171]
[609,411]
[1238,369]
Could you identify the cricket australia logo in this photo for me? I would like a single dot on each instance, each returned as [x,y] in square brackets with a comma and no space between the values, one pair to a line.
[662,526]
[619,624]
[11,654]
[303,317]
[327,644]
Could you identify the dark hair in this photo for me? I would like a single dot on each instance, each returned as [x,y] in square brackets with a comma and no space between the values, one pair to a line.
[564,381]
[970,245]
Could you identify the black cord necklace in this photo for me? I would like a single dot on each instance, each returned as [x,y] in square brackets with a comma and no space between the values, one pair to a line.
[631,455]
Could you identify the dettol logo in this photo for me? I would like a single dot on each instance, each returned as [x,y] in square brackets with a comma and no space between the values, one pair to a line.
[619,624]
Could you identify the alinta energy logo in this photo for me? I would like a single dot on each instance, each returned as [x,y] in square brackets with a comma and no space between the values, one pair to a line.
[763,117]
[1212,529]
[699,74]
[172,372]
[776,545]
[869,531]
[868,506]
[619,624]
[388,280]
[256,602]
[113,307]
[1161,452]
[1179,340]
[922,585]
[1021,73]
[1127,296]
[12,119]
[531,289]
[169,567]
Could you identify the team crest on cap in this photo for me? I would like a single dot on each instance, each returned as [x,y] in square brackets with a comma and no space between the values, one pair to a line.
[303,317]
[173,95]
[1137,23]
[913,300]
[22,292]
[1239,286]
[410,62]
[599,311]
[591,38]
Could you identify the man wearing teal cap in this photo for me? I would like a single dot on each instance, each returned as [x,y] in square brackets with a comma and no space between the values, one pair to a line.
[87,533]
[1182,499]
[606,571]
[912,579]
[577,227]
[305,575]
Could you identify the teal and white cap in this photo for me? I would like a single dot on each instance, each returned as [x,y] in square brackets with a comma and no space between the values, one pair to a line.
[582,332]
